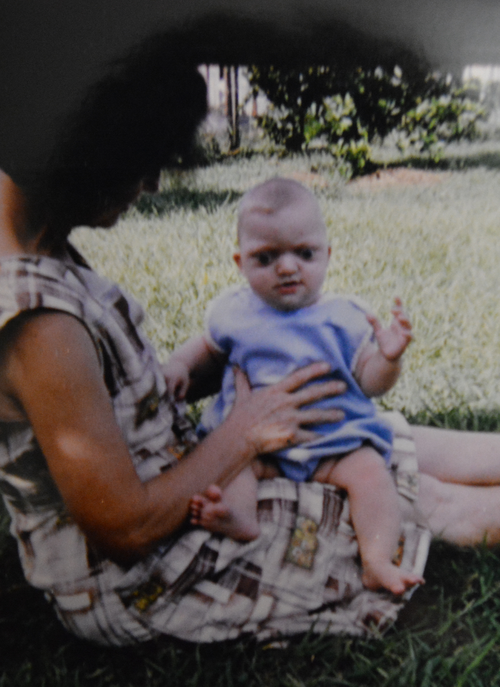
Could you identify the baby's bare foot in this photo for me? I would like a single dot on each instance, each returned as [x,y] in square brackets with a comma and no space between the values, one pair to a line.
[199,502]
[389,576]
[210,512]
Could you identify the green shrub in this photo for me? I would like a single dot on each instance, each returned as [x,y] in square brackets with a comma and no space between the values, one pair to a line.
[438,120]
[345,111]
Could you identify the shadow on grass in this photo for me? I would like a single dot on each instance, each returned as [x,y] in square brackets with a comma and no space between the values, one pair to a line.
[175,199]
[489,160]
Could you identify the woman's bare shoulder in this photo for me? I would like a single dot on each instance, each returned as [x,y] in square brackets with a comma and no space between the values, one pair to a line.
[35,348]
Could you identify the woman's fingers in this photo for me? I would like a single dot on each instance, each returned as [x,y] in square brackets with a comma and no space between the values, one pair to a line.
[317,416]
[302,436]
[241,384]
[274,416]
[311,417]
[305,374]
[293,383]
[295,399]
[315,392]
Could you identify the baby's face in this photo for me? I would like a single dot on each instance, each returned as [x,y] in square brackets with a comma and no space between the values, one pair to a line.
[284,256]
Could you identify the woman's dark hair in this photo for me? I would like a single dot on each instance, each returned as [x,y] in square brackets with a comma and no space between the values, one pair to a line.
[140,118]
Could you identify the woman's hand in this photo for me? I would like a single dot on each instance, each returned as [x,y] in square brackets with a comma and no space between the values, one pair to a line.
[277,416]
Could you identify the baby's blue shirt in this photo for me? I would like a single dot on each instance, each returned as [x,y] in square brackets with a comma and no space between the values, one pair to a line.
[269,344]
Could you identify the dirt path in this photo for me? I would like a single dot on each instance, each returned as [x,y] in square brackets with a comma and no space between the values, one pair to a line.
[379,180]
[398,176]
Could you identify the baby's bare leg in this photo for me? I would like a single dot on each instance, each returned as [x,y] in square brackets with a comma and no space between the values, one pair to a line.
[375,515]
[232,512]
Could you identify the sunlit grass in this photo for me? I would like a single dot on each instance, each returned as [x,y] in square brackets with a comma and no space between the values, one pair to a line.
[435,245]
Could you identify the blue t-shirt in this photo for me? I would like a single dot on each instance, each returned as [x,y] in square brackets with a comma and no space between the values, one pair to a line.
[269,344]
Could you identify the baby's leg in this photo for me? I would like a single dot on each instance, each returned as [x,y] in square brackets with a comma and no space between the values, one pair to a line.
[232,512]
[375,515]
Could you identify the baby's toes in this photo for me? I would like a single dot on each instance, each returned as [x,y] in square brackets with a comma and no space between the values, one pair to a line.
[196,504]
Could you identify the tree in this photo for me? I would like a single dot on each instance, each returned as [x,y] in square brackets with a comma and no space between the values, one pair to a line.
[344,110]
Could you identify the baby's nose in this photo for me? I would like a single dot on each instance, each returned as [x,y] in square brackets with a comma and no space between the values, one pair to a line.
[286,264]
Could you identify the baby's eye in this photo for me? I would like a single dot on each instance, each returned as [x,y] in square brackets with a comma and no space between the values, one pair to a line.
[305,253]
[264,259]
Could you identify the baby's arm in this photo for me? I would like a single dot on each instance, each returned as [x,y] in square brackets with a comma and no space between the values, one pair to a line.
[195,358]
[379,366]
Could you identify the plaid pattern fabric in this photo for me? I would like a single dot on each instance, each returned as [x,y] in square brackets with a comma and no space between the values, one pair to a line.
[302,572]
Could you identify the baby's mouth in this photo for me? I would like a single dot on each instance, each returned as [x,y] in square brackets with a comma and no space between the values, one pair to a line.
[288,286]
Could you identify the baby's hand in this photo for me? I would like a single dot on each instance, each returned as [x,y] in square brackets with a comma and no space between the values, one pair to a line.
[177,378]
[393,341]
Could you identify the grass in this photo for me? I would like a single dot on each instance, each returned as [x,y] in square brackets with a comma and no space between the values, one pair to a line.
[436,246]
[448,635]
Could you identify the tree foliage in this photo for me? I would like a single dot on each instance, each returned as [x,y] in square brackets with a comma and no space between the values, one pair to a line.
[345,110]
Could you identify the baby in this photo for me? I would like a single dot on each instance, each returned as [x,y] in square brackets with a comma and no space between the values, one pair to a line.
[281,322]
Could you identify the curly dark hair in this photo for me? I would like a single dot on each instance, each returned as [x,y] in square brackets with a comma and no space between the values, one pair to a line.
[139,118]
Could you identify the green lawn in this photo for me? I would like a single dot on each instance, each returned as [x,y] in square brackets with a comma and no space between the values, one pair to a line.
[436,246]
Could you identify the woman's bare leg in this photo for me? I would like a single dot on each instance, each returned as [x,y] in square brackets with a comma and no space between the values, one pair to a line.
[458,513]
[459,493]
[458,456]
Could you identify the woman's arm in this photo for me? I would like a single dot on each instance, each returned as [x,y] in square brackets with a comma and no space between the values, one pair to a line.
[51,372]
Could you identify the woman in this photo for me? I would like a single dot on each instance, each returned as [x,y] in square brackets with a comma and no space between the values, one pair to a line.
[92,464]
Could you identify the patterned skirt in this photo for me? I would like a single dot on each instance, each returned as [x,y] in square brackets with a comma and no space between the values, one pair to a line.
[302,573]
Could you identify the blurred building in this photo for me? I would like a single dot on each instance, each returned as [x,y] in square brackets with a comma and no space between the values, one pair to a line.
[485,80]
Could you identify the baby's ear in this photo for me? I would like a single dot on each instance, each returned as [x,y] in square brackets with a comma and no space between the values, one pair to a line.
[237,259]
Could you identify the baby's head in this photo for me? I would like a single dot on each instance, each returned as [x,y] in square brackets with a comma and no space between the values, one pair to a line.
[283,249]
